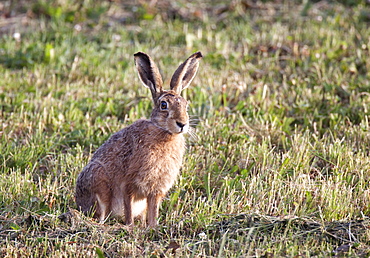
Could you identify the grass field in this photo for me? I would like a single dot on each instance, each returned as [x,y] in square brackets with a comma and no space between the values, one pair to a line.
[280,165]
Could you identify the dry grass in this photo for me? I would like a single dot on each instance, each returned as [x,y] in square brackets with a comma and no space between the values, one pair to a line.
[280,165]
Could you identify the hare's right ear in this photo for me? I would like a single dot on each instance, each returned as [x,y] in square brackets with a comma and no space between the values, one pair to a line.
[183,76]
[149,74]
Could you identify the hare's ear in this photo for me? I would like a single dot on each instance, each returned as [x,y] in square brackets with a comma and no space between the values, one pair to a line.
[148,73]
[183,76]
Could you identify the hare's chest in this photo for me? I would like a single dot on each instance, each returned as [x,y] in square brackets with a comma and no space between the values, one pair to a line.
[161,166]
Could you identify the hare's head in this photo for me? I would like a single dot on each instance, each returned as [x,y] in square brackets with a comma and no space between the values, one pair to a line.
[170,109]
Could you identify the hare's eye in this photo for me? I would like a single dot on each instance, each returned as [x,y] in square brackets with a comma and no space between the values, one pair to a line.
[163,105]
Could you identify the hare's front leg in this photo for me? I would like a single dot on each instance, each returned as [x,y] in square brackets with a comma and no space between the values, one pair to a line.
[153,206]
[127,202]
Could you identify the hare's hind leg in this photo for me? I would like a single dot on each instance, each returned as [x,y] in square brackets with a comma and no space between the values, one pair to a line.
[102,209]
[154,201]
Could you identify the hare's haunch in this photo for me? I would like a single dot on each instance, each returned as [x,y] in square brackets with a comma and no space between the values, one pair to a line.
[134,169]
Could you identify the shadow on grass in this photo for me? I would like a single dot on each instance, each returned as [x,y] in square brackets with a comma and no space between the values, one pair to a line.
[113,238]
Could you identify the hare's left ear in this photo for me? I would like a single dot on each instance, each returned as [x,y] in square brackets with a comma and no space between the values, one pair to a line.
[149,74]
[183,76]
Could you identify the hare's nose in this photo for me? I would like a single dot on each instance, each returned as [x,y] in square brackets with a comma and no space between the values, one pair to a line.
[181,125]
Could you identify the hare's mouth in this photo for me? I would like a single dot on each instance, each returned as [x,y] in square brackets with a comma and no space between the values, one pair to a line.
[177,127]
[181,127]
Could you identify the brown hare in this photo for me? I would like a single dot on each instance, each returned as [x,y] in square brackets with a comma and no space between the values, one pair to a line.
[134,169]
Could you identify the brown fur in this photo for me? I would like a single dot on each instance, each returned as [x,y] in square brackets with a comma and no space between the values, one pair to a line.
[134,169]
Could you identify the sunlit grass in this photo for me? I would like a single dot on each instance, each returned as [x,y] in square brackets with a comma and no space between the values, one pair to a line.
[280,164]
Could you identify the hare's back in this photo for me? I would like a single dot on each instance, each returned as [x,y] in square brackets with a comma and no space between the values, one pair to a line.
[128,145]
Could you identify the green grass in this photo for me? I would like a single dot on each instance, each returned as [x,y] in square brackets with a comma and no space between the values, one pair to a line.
[281,107]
